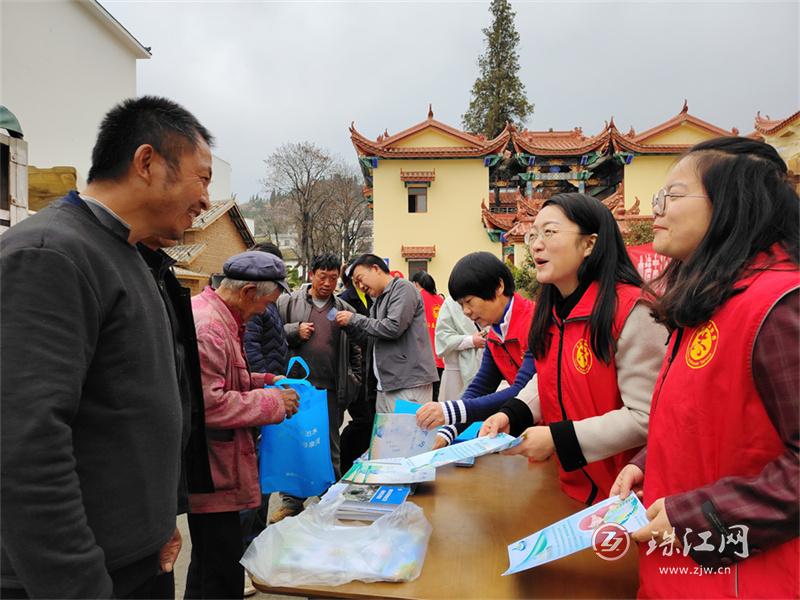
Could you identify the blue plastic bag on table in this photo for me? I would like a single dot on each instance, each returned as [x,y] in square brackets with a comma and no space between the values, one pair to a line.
[295,456]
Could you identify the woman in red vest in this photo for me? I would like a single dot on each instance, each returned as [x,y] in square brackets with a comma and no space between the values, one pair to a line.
[484,288]
[596,347]
[426,286]
[720,470]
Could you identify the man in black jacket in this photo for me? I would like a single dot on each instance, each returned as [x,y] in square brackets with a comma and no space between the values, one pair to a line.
[90,407]
[264,339]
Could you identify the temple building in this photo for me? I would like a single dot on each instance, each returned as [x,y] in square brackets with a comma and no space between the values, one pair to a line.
[427,184]
[439,193]
[784,135]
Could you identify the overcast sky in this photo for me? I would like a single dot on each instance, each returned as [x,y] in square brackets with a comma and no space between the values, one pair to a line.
[259,74]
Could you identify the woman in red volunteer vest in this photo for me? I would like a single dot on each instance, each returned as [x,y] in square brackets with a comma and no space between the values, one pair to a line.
[720,470]
[426,286]
[597,349]
[484,288]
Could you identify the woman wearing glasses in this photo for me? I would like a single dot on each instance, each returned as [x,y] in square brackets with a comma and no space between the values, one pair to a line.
[722,454]
[596,349]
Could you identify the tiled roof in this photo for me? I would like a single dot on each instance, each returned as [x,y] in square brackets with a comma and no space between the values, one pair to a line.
[767,126]
[385,146]
[185,255]
[516,234]
[552,142]
[187,274]
[575,143]
[679,119]
[219,208]
[417,175]
[492,220]
[413,252]
[212,214]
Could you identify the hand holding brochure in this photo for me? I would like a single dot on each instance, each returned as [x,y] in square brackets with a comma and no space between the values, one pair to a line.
[423,466]
[574,533]
[450,454]
[397,435]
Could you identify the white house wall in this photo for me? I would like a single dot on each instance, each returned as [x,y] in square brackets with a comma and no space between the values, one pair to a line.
[61,69]
[220,187]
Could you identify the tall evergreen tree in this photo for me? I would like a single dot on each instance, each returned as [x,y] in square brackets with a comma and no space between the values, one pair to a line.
[498,94]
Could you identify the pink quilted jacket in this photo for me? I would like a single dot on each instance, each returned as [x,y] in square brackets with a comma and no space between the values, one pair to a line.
[235,403]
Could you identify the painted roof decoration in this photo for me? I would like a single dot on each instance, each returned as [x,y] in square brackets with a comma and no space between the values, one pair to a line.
[511,208]
[766,126]
[465,145]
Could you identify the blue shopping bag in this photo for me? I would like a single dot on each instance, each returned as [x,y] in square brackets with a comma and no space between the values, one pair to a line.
[295,456]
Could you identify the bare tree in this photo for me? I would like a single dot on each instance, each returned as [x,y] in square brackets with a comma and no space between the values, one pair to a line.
[348,218]
[297,170]
[271,216]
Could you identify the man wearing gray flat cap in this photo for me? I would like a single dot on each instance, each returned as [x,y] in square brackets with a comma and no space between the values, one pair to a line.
[235,402]
[257,266]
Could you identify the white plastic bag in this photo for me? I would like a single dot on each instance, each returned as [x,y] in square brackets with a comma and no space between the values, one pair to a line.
[314,548]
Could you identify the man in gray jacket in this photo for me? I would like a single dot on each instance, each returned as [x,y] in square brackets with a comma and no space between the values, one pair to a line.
[90,405]
[401,354]
[332,356]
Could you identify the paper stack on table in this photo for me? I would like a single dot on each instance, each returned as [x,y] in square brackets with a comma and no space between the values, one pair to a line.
[388,470]
[574,533]
[370,502]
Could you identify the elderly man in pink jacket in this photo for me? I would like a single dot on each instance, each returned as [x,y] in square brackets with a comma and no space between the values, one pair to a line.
[235,403]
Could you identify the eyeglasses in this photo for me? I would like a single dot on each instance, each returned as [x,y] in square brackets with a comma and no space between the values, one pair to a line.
[546,234]
[659,201]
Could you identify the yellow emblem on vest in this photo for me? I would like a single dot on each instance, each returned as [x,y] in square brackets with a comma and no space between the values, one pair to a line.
[582,356]
[702,346]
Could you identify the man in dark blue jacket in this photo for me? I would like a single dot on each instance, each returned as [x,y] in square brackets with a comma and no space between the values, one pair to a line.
[264,340]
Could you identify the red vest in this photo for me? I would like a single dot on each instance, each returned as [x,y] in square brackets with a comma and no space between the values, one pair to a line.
[508,354]
[574,384]
[708,422]
[433,304]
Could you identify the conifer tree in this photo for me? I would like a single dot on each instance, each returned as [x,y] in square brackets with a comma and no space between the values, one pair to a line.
[498,95]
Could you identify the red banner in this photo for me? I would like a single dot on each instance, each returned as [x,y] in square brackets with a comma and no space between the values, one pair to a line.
[647,261]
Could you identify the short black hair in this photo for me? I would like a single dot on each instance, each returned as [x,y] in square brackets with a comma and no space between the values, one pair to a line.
[479,274]
[269,248]
[326,262]
[162,123]
[370,260]
[425,281]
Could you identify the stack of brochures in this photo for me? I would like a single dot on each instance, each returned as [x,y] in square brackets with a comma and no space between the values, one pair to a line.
[387,471]
[370,502]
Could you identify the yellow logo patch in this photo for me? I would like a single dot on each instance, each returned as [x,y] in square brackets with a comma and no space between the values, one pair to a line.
[582,356]
[702,346]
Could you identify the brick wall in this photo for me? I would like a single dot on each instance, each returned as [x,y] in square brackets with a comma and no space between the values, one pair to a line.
[223,241]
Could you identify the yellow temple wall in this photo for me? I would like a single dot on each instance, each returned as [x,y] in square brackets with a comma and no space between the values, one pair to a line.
[787,143]
[430,138]
[685,133]
[452,223]
[644,177]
